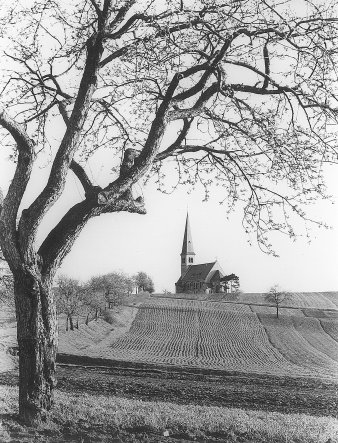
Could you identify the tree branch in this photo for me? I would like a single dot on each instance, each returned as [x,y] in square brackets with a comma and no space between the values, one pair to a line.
[17,187]
[78,170]
[16,130]
[195,110]
[177,143]
[209,68]
[267,66]
[161,33]
[97,9]
[60,239]
[80,173]
[31,217]
[115,189]
[122,12]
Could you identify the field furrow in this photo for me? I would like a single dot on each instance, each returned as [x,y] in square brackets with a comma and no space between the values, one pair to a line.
[201,337]
[288,337]
[330,327]
[219,335]
[311,330]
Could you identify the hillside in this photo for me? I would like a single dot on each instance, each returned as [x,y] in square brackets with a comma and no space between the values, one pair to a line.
[210,334]
[220,335]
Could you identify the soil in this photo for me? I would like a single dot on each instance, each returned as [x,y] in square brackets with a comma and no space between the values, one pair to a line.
[194,386]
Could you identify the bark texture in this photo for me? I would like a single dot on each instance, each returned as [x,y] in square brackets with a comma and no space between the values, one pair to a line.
[37,340]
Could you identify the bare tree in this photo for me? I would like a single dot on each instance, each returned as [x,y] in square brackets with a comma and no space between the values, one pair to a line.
[277,297]
[239,93]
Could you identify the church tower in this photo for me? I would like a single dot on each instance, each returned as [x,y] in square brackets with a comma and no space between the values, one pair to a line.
[187,254]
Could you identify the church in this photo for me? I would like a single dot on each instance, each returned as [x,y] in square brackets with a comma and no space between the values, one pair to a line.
[204,277]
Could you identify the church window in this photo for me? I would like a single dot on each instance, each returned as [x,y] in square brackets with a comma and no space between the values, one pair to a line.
[183,261]
[190,259]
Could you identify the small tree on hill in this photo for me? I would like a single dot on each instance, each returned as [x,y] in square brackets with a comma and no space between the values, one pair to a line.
[277,297]
[114,286]
[144,282]
[68,299]
[94,301]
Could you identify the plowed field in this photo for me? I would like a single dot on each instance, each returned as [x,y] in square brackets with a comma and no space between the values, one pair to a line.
[226,336]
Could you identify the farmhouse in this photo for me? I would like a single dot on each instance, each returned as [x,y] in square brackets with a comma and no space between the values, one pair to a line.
[205,277]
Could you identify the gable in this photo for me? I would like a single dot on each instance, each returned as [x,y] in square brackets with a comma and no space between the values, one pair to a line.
[215,276]
[196,273]
[216,267]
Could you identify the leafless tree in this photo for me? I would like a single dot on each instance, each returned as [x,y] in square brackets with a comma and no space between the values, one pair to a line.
[240,93]
[277,297]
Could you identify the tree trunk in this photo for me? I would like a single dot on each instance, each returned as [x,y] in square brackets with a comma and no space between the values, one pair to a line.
[37,340]
[87,319]
[277,311]
[71,323]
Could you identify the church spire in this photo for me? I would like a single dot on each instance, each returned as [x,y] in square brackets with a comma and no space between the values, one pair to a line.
[187,254]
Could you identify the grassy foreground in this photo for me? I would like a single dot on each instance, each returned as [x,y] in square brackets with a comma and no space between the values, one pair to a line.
[100,416]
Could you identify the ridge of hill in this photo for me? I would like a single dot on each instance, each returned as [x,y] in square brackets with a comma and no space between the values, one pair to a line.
[311,300]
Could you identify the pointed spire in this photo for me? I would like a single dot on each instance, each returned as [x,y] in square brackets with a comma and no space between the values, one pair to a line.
[187,247]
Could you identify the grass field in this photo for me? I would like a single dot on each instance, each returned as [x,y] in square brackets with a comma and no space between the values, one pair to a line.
[98,418]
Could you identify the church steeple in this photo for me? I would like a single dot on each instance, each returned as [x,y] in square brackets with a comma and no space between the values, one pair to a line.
[187,254]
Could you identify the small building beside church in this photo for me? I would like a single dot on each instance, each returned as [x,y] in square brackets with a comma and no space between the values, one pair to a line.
[204,277]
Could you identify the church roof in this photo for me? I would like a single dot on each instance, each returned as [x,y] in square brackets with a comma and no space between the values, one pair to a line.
[197,272]
[187,247]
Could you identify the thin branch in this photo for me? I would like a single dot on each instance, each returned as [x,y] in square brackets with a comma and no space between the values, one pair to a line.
[177,143]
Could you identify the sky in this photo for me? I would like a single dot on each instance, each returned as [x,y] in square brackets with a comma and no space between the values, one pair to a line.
[152,243]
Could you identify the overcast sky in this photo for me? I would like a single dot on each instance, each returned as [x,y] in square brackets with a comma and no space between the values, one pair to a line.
[153,242]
